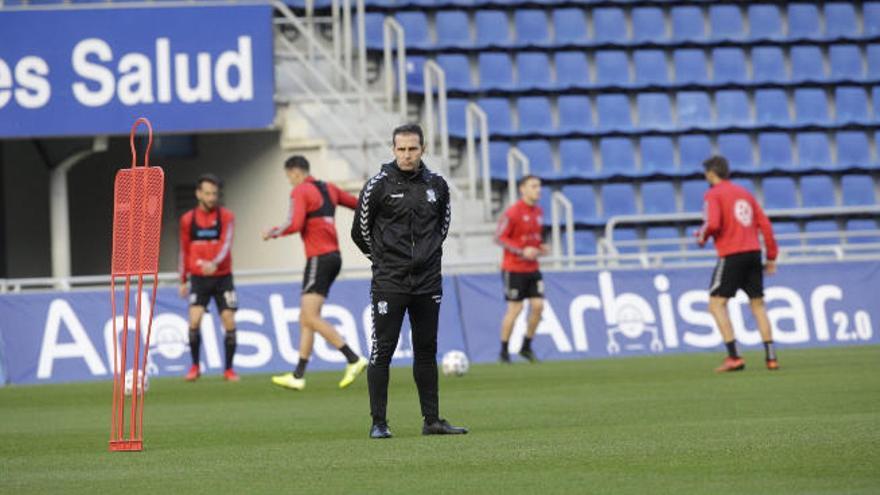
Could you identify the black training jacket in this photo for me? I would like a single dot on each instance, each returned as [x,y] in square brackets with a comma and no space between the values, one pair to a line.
[400,223]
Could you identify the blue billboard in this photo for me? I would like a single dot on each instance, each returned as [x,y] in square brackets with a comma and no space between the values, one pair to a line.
[67,336]
[81,72]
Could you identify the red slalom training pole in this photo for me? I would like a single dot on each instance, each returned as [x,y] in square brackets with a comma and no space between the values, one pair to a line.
[137,229]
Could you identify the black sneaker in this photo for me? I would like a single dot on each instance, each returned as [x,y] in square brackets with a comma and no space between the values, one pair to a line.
[529,355]
[380,431]
[504,358]
[442,427]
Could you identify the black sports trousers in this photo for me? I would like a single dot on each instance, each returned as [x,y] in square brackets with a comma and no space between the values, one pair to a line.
[424,314]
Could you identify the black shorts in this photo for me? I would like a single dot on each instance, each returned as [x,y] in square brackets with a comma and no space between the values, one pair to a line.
[202,289]
[738,271]
[519,286]
[320,273]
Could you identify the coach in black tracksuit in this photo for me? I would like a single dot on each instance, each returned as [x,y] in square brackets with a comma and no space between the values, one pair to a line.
[401,220]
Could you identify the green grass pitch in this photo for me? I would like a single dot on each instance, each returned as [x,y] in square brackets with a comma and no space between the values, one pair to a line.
[642,425]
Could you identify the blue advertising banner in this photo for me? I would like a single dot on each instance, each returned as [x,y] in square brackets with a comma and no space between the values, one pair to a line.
[67,336]
[76,72]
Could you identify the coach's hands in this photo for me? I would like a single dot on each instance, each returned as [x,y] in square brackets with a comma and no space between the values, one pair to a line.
[208,267]
[770,267]
[531,253]
[266,234]
[182,290]
[545,249]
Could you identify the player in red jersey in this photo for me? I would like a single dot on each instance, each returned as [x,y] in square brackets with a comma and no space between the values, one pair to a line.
[206,234]
[520,234]
[733,218]
[312,209]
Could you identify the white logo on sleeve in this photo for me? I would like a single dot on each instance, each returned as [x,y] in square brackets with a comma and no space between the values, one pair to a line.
[432,196]
[382,307]
[742,210]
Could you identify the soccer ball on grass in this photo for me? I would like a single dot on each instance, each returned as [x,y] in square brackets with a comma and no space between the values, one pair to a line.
[455,363]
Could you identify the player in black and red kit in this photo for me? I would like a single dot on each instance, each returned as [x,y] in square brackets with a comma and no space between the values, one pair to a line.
[733,218]
[206,234]
[520,234]
[312,209]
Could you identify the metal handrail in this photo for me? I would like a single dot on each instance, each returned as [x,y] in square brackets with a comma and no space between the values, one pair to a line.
[390,27]
[432,71]
[557,200]
[474,112]
[514,157]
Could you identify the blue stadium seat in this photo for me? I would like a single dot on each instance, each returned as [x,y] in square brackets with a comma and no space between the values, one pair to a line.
[737,148]
[533,70]
[726,22]
[846,62]
[779,193]
[609,25]
[654,110]
[871,16]
[694,109]
[648,24]
[857,190]
[612,67]
[806,63]
[572,69]
[786,229]
[853,150]
[498,159]
[496,71]
[618,199]
[875,95]
[458,71]
[613,110]
[576,158]
[729,65]
[693,149]
[658,155]
[771,107]
[690,66]
[625,234]
[455,116]
[658,233]
[650,67]
[570,26]
[531,27]
[584,242]
[765,21]
[618,156]
[415,28]
[534,114]
[852,104]
[821,226]
[373,25]
[859,226]
[732,108]
[747,184]
[810,106]
[817,191]
[545,202]
[768,64]
[687,23]
[692,192]
[840,20]
[658,198]
[415,75]
[452,28]
[583,202]
[492,28]
[803,20]
[575,113]
[872,53]
[814,151]
[775,151]
[540,158]
[498,113]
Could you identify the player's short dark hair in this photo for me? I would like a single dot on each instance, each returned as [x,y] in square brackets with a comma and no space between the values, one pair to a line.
[526,178]
[210,178]
[719,165]
[297,161]
[409,129]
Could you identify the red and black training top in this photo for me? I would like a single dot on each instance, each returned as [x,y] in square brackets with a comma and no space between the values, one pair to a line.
[733,217]
[312,209]
[519,228]
[206,236]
